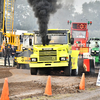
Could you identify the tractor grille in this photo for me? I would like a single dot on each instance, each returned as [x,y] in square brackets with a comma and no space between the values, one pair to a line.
[47,55]
[95,53]
[48,58]
[47,52]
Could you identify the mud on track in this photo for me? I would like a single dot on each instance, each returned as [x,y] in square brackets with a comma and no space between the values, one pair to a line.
[25,85]
[4,72]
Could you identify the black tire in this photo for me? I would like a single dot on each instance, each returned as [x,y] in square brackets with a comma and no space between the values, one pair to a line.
[74,72]
[80,66]
[33,71]
[92,69]
[67,69]
[96,64]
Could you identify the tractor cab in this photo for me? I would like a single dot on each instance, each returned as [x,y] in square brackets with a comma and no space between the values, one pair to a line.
[80,34]
[79,38]
[27,41]
[94,45]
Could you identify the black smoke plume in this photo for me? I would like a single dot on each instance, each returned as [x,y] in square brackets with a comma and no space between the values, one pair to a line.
[42,10]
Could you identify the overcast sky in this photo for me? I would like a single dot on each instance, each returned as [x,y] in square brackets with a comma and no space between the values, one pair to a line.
[78,4]
[24,14]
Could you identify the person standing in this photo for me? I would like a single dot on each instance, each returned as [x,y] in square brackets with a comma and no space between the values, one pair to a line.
[13,51]
[96,44]
[6,54]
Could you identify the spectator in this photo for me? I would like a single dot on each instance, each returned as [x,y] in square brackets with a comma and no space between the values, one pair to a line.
[6,54]
[13,51]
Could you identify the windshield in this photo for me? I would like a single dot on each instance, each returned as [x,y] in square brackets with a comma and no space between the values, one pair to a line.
[54,38]
[79,34]
[27,40]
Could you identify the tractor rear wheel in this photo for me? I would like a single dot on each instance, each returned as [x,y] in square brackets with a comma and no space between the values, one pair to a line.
[92,69]
[80,66]
[75,72]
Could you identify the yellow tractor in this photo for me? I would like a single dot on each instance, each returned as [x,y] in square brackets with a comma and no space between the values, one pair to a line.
[23,58]
[57,54]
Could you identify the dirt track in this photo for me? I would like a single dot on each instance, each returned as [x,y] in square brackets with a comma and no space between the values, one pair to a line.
[22,84]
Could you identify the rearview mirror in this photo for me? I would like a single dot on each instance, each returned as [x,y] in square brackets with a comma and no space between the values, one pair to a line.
[72,41]
[88,42]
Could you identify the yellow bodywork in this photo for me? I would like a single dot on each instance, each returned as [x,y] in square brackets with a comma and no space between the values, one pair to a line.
[50,61]
[74,59]
[23,60]
[52,58]
[54,63]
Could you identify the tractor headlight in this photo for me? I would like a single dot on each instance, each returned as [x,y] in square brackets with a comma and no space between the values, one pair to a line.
[97,51]
[33,59]
[62,58]
[92,50]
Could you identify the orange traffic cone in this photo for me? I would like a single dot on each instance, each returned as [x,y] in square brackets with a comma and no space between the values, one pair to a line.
[48,90]
[82,83]
[5,91]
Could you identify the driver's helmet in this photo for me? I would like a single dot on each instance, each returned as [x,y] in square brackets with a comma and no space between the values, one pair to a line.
[96,44]
[80,35]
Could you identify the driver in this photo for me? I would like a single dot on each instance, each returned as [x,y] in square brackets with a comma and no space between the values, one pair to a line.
[81,35]
[96,44]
